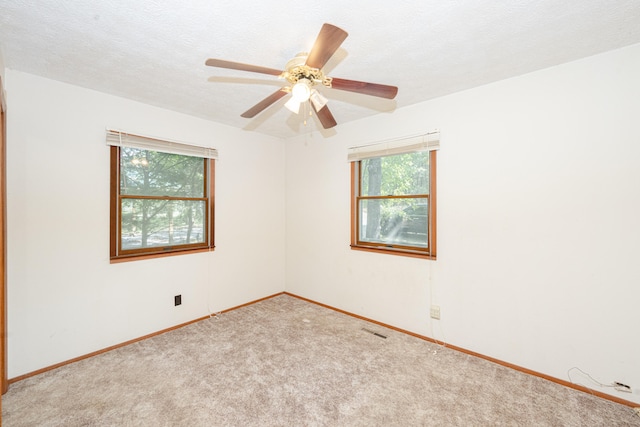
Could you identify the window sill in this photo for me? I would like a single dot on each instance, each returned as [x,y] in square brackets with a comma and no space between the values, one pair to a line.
[139,257]
[399,252]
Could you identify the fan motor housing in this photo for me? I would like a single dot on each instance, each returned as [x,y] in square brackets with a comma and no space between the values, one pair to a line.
[297,69]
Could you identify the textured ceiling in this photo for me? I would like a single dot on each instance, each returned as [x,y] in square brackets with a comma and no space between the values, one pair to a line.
[154,51]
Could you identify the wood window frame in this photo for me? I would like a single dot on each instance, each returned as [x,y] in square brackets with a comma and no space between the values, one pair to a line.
[431,251]
[4,382]
[117,255]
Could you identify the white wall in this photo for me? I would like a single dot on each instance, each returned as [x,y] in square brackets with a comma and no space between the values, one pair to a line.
[1,65]
[538,207]
[64,297]
[538,222]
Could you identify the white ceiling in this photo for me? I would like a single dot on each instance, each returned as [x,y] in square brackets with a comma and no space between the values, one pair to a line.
[154,51]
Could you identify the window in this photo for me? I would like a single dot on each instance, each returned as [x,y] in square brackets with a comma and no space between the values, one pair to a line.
[161,202]
[394,197]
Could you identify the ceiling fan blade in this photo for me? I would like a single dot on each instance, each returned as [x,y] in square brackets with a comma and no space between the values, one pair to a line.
[328,41]
[373,89]
[325,116]
[221,63]
[253,111]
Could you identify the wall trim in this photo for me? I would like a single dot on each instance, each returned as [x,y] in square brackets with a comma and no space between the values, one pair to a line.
[481,356]
[135,340]
[404,331]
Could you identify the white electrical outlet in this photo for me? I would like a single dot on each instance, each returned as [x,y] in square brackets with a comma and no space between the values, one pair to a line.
[435,312]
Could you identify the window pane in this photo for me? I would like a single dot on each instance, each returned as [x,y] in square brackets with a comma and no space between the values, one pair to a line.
[150,223]
[395,221]
[395,175]
[151,173]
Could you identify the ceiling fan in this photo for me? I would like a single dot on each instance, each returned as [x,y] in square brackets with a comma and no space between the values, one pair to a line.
[303,73]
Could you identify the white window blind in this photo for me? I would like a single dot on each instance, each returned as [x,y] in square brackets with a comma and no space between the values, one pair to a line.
[411,144]
[123,139]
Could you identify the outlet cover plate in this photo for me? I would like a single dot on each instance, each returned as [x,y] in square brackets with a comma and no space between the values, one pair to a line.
[435,312]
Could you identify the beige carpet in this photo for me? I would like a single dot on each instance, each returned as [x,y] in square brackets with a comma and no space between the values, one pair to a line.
[287,362]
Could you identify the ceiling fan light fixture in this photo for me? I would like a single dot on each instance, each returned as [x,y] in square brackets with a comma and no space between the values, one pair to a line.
[317,100]
[304,72]
[293,105]
[301,90]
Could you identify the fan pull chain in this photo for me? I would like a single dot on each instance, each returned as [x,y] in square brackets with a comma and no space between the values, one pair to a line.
[306,104]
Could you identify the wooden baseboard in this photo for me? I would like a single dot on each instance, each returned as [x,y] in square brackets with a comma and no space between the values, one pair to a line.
[422,337]
[482,356]
[113,347]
